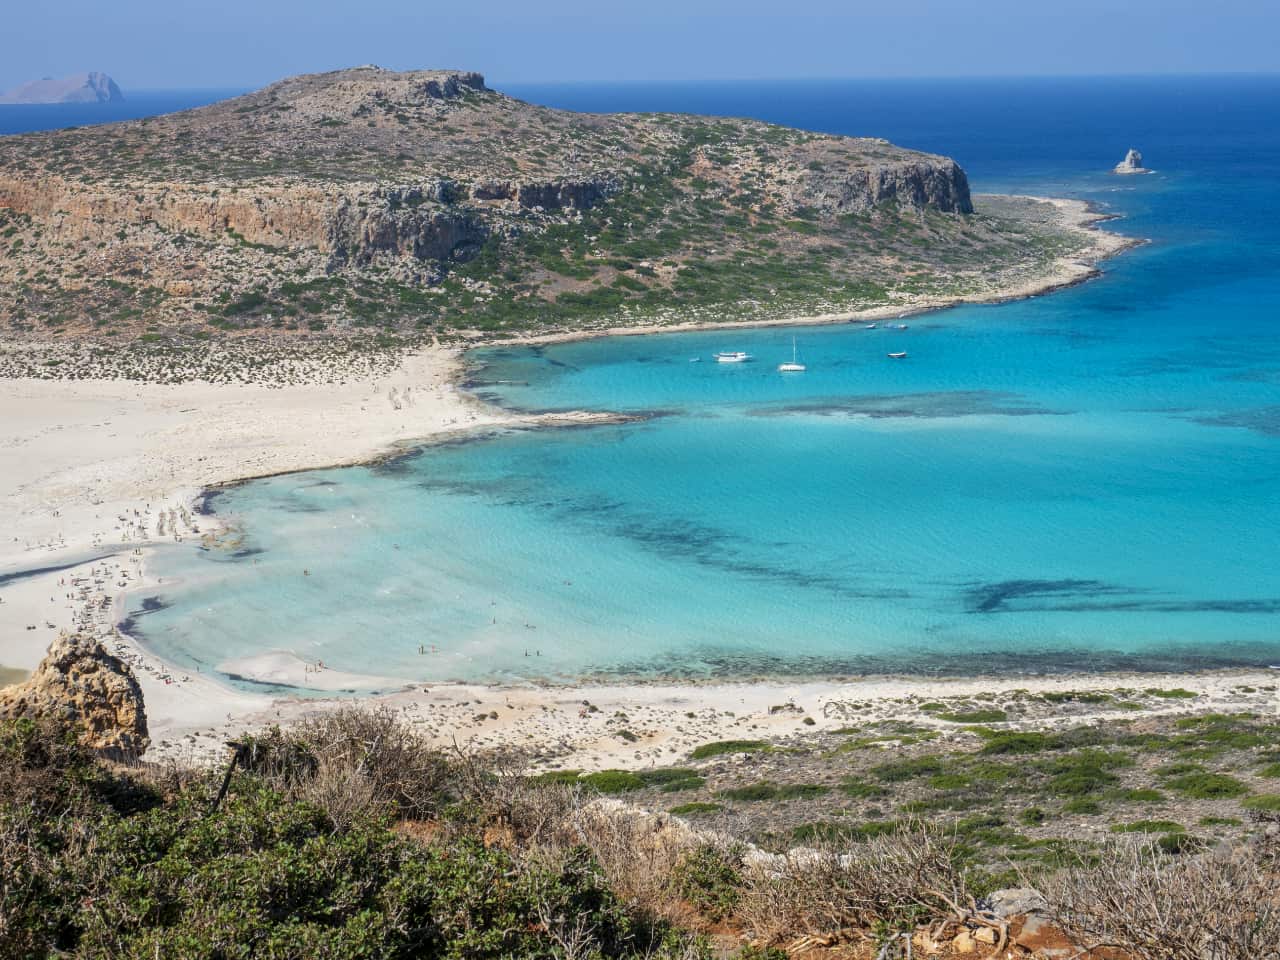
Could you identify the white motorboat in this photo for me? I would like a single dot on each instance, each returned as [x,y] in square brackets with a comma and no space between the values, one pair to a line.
[794,366]
[898,356]
[732,356]
[870,326]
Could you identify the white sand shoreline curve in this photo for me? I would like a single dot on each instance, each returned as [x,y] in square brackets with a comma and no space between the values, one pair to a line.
[113,467]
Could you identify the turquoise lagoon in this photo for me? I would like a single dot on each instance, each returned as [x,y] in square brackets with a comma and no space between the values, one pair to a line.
[1081,481]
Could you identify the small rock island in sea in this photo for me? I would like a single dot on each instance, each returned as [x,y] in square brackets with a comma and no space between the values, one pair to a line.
[80,88]
[1132,163]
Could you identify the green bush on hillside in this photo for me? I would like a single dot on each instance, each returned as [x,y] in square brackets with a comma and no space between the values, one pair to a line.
[100,864]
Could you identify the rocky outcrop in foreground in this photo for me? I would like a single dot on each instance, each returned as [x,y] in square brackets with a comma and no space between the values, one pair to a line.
[79,88]
[82,684]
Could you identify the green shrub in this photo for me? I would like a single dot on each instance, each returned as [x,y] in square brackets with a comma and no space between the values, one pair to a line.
[695,808]
[671,779]
[1018,742]
[1087,772]
[1208,786]
[1220,822]
[721,747]
[613,781]
[710,878]
[1082,805]
[1180,842]
[266,875]
[752,793]
[1033,816]
[974,716]
[1264,801]
[860,789]
[909,769]
[1076,696]
[801,791]
[246,303]
[841,832]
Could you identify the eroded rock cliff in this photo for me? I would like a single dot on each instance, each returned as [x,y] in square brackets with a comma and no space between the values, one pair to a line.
[80,683]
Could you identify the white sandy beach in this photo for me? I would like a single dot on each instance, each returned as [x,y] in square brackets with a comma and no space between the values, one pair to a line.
[91,472]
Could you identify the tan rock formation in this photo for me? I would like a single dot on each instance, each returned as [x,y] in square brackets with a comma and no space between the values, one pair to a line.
[79,682]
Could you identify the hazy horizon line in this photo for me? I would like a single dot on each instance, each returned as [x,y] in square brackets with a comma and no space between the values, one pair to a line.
[242,87]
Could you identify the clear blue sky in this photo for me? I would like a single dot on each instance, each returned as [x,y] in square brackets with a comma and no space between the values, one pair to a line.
[242,43]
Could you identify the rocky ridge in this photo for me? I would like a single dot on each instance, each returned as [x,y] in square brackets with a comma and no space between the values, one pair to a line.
[80,683]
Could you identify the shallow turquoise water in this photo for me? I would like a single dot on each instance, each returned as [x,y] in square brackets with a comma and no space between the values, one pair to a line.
[1080,481]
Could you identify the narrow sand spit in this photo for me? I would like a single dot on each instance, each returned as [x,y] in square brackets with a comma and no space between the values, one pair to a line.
[92,472]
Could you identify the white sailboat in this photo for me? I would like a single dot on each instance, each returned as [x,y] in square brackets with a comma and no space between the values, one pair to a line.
[794,366]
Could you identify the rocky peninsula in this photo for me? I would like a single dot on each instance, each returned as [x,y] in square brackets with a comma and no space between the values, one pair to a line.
[371,207]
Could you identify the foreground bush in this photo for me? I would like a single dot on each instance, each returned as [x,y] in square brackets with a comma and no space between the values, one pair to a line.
[1224,905]
[346,837]
[266,874]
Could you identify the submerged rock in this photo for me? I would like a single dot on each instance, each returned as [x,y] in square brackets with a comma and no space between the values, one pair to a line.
[1132,163]
[82,684]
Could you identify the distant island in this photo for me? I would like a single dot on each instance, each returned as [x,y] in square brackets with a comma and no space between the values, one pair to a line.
[79,88]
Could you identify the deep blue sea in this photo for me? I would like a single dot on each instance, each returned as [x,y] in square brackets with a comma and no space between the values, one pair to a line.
[23,118]
[1080,481]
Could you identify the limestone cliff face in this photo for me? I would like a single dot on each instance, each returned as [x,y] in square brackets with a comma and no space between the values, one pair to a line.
[938,183]
[353,225]
[82,684]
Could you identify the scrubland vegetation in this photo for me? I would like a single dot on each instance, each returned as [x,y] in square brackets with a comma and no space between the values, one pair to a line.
[346,837]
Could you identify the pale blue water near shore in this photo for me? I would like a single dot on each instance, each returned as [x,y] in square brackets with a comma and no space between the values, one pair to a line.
[1080,481]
